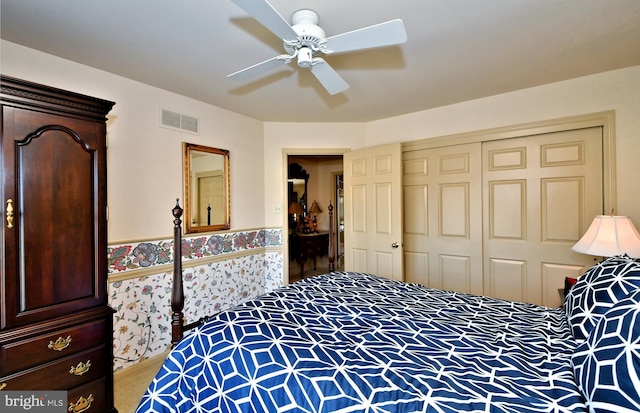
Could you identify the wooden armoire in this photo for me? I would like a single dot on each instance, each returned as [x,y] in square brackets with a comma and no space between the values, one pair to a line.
[56,328]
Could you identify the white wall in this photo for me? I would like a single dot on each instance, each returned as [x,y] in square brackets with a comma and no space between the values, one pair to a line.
[616,90]
[285,136]
[144,159]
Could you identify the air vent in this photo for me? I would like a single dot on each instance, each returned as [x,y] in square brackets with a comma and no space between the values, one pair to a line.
[175,120]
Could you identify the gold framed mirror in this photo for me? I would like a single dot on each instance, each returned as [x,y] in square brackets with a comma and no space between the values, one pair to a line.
[206,188]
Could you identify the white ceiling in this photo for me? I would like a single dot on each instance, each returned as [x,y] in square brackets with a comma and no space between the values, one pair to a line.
[457,50]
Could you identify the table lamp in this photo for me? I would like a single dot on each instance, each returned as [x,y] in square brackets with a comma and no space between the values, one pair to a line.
[610,235]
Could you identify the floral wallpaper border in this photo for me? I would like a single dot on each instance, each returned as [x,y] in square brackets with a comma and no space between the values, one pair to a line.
[143,303]
[148,254]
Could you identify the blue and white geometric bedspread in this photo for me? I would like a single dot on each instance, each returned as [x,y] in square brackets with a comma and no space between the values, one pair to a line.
[353,342]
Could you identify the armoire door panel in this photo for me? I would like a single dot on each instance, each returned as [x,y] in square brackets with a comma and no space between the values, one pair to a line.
[58,190]
[50,211]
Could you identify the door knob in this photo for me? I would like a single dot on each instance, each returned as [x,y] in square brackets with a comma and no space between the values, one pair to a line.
[395,245]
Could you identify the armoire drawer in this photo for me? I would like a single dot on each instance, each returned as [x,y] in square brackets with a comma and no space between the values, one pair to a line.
[90,398]
[63,374]
[22,354]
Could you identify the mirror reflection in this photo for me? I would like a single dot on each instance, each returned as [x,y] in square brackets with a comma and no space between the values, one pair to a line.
[206,188]
[297,196]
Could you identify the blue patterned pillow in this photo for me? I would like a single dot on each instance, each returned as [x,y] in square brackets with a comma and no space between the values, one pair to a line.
[607,365]
[597,290]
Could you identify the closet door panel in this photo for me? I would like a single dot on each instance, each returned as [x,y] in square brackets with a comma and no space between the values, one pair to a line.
[454,210]
[415,210]
[455,272]
[507,215]
[562,224]
[416,267]
[508,279]
[442,188]
[539,193]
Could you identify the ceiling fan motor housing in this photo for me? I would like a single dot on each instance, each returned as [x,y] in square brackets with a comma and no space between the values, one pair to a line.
[310,35]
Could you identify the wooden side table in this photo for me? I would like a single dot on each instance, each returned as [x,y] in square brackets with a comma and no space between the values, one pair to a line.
[306,246]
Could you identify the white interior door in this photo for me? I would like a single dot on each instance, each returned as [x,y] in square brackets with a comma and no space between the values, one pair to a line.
[373,211]
[210,195]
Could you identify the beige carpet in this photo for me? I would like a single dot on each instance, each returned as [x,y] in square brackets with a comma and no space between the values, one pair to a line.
[131,383]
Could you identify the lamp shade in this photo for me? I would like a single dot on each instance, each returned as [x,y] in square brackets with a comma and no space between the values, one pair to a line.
[295,208]
[315,208]
[610,235]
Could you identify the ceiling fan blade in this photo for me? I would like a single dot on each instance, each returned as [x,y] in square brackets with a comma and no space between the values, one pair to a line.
[260,68]
[379,35]
[328,77]
[263,11]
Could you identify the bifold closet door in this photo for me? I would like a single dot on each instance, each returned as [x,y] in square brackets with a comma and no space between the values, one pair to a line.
[443,217]
[499,217]
[539,191]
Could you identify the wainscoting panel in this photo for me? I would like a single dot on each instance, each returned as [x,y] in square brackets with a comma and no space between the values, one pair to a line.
[219,271]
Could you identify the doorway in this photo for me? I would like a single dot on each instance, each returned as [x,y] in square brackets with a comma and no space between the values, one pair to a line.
[307,219]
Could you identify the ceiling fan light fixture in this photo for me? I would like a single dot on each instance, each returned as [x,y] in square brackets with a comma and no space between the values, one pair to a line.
[305,57]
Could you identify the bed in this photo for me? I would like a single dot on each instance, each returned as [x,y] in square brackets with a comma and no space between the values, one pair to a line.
[357,342]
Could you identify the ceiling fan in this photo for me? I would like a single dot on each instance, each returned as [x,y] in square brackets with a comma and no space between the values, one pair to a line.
[304,40]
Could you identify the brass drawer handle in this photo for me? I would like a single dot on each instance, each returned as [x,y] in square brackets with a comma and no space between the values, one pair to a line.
[3,386]
[83,404]
[81,368]
[60,344]
[9,213]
